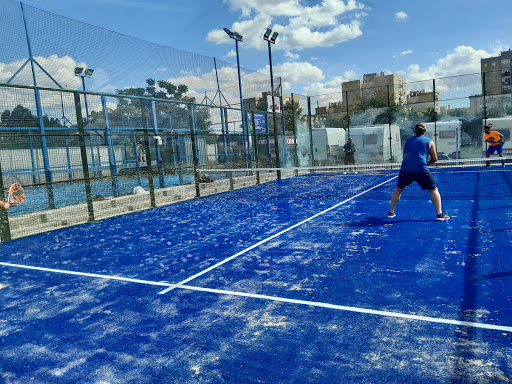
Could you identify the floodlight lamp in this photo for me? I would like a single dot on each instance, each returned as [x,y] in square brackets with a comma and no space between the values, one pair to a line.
[267,34]
[233,34]
[78,71]
[274,37]
[228,31]
[88,72]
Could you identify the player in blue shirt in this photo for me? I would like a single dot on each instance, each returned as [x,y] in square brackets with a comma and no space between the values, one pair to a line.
[414,168]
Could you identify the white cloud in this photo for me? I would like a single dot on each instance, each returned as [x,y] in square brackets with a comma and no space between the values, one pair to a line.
[318,88]
[299,26]
[401,16]
[458,71]
[304,37]
[463,60]
[296,73]
[61,68]
[291,55]
[231,53]
[350,75]
[403,53]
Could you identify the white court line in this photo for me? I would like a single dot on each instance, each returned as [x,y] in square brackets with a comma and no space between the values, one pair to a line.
[278,299]
[353,309]
[106,277]
[269,238]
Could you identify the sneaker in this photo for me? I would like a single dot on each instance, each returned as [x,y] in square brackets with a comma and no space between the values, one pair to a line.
[345,172]
[391,215]
[355,173]
[442,217]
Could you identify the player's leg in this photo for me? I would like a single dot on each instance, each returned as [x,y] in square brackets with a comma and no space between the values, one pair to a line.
[500,154]
[395,198]
[436,200]
[488,153]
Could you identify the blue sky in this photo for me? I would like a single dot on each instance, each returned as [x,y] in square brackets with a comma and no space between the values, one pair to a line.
[321,43]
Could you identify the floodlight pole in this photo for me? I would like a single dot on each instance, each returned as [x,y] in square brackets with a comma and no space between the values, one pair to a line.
[241,99]
[267,37]
[237,37]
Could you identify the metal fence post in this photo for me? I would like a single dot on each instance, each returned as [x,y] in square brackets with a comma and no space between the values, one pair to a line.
[255,144]
[295,143]
[111,152]
[158,154]
[310,128]
[149,167]
[194,149]
[228,146]
[434,111]
[276,138]
[348,114]
[83,153]
[389,124]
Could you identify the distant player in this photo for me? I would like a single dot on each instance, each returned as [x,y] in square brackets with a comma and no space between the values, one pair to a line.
[414,168]
[350,149]
[496,141]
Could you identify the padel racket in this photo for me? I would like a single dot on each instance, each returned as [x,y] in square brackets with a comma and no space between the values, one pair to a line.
[16,195]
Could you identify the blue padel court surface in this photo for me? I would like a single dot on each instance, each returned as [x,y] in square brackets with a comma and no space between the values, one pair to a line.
[302,280]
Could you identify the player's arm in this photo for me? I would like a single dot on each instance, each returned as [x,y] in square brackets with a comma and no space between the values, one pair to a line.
[432,151]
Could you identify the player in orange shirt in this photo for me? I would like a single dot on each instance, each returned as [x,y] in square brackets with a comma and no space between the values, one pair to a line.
[495,140]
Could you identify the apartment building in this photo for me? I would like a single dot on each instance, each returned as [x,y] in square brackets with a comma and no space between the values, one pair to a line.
[496,78]
[375,87]
[422,101]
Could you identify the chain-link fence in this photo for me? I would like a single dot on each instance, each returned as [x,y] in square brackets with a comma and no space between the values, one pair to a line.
[43,49]
[83,156]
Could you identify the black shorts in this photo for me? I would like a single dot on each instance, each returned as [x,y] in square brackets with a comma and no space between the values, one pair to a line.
[350,159]
[424,179]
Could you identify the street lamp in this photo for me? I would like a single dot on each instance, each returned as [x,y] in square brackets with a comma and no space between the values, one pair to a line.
[271,39]
[80,72]
[237,37]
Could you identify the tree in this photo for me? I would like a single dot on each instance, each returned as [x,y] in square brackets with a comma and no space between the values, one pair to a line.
[129,111]
[19,117]
[291,112]
[22,117]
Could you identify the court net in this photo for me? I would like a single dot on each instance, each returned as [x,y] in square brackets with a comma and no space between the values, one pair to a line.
[456,179]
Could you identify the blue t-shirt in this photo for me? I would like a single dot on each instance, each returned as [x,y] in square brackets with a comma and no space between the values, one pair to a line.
[416,154]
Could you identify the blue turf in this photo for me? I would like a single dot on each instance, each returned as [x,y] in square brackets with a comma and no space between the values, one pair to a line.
[72,329]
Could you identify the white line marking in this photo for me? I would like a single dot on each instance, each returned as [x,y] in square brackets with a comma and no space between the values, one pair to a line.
[269,238]
[274,298]
[107,277]
[353,309]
